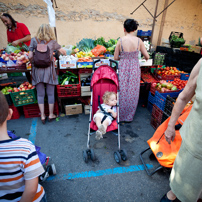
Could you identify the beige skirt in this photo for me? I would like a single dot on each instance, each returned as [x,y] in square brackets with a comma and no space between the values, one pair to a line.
[186,176]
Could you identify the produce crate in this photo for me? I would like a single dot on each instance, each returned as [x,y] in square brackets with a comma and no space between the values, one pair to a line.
[164,117]
[149,106]
[144,33]
[84,64]
[157,113]
[168,77]
[159,100]
[31,111]
[24,97]
[169,105]
[184,76]
[9,99]
[16,114]
[17,67]
[148,78]
[154,122]
[151,98]
[174,94]
[71,90]
[85,71]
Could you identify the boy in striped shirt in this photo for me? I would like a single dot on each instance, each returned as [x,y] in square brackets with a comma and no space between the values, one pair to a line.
[19,164]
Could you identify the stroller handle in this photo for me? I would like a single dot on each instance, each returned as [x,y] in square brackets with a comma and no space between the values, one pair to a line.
[94,62]
[116,63]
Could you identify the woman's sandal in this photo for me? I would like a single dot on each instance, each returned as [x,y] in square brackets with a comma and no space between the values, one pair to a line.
[43,121]
[51,119]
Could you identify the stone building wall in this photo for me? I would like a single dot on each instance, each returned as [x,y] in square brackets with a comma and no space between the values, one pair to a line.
[92,19]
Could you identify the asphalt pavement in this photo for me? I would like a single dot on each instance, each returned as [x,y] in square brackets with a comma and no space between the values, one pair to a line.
[102,180]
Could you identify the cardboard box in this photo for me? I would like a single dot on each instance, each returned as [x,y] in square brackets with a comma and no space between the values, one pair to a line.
[195,49]
[84,64]
[85,91]
[87,109]
[73,109]
[64,64]
[102,62]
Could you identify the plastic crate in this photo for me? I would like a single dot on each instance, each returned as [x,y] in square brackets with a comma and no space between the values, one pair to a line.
[159,100]
[24,97]
[85,71]
[184,76]
[9,99]
[31,111]
[169,105]
[157,113]
[16,114]
[149,107]
[164,117]
[71,90]
[174,94]
[151,98]
[144,33]
[154,122]
[168,77]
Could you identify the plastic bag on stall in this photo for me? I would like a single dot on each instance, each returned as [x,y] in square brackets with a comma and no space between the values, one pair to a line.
[98,50]
[68,49]
[10,63]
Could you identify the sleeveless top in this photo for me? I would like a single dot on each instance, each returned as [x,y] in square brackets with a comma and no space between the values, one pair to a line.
[191,130]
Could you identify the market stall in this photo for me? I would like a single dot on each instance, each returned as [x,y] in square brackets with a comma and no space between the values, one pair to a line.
[74,74]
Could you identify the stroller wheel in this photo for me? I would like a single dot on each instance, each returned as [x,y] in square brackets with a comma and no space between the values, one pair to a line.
[117,157]
[92,155]
[124,155]
[52,169]
[85,156]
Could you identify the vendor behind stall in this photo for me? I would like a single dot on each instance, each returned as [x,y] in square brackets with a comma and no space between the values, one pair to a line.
[17,33]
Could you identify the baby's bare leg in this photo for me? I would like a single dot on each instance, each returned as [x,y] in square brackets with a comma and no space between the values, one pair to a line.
[98,121]
[105,124]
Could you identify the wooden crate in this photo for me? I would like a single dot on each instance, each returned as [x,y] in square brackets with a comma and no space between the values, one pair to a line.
[85,90]
[73,109]
[87,109]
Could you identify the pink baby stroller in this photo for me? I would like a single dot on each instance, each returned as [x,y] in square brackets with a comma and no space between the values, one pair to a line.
[103,79]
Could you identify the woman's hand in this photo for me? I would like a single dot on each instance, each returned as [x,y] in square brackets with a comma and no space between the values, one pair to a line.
[15,43]
[170,134]
[62,51]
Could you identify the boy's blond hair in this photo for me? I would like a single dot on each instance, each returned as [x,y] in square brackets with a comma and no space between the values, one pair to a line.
[45,33]
[3,108]
[107,95]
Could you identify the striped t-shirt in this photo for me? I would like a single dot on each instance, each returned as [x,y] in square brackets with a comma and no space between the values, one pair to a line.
[18,162]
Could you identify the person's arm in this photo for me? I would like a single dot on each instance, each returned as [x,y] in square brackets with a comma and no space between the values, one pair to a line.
[25,39]
[30,190]
[114,114]
[183,98]
[143,50]
[117,50]
[62,51]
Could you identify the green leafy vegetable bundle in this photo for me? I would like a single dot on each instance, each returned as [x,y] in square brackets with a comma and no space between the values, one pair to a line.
[68,78]
[85,45]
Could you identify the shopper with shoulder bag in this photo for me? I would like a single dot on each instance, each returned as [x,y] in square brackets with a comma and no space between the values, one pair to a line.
[43,71]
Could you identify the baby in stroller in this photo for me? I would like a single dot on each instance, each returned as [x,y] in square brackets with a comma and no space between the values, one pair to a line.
[106,113]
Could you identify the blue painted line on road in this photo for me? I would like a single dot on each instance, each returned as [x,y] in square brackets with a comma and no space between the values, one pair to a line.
[32,136]
[87,174]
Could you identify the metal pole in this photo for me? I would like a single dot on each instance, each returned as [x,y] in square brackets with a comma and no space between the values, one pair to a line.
[153,25]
